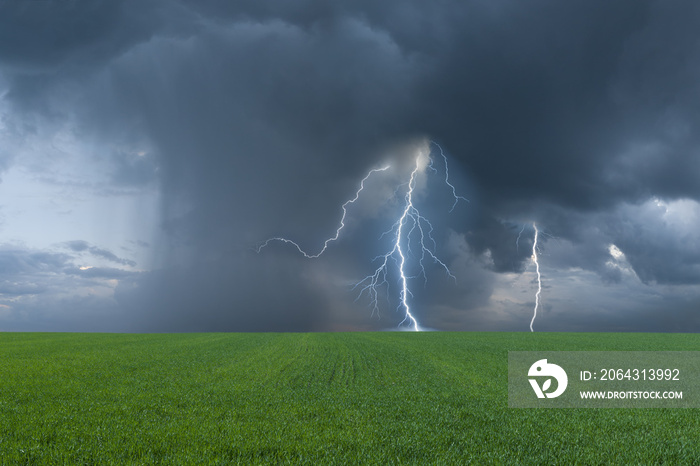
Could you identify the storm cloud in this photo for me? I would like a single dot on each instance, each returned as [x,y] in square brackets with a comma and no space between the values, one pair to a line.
[171,138]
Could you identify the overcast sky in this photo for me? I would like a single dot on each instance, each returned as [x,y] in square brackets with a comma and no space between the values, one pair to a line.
[147,149]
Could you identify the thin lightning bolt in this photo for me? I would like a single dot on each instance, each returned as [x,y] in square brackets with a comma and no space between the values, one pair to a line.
[411,224]
[517,240]
[447,178]
[337,232]
[539,277]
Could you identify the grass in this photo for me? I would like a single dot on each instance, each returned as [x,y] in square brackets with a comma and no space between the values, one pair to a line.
[320,398]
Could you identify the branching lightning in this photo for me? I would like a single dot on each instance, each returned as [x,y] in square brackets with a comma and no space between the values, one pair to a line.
[447,178]
[411,226]
[412,220]
[539,277]
[340,227]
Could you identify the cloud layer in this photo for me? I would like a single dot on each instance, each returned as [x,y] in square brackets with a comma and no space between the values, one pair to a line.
[241,122]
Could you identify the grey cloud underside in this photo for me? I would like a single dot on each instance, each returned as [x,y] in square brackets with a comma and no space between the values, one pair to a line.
[20,262]
[84,246]
[46,291]
[262,117]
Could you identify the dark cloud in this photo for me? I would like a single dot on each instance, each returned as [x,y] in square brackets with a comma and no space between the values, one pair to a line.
[256,119]
[110,256]
[40,36]
[84,246]
[100,272]
[16,261]
[44,290]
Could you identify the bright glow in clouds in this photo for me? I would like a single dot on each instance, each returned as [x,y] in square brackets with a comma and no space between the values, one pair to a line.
[615,252]
[410,227]
[422,161]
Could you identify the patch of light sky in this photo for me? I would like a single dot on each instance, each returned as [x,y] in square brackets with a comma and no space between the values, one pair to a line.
[57,189]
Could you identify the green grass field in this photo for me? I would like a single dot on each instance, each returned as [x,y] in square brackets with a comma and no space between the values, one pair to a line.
[323,398]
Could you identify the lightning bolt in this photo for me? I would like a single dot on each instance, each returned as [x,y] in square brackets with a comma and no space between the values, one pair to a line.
[410,226]
[539,277]
[517,240]
[416,225]
[340,227]
[412,214]
[447,178]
